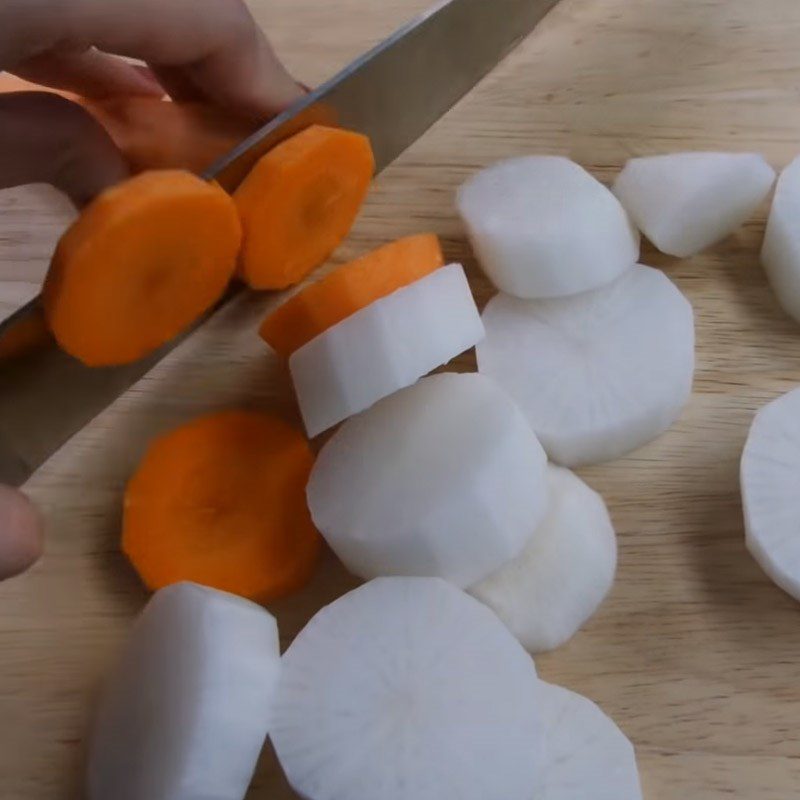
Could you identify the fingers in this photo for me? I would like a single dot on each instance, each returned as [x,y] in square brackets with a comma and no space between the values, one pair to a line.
[20,533]
[215,45]
[90,74]
[47,139]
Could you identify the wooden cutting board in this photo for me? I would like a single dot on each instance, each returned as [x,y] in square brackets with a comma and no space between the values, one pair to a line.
[695,653]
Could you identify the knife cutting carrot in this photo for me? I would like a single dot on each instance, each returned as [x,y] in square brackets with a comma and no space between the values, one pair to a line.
[207,51]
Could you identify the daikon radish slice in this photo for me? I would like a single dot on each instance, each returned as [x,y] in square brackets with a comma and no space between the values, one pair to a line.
[444,478]
[685,202]
[560,579]
[385,347]
[781,252]
[542,226]
[770,475]
[186,711]
[586,754]
[408,689]
[598,374]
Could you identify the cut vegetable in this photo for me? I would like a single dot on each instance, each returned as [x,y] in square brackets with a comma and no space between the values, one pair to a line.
[27,333]
[685,202]
[599,374]
[299,202]
[586,755]
[560,579]
[348,289]
[781,252]
[770,474]
[221,501]
[142,262]
[444,479]
[385,347]
[407,689]
[542,226]
[185,713]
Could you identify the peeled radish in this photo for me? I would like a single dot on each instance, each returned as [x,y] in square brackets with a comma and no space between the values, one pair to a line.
[781,252]
[385,347]
[685,202]
[598,374]
[560,579]
[408,689]
[586,754]
[770,475]
[186,711]
[542,226]
[443,479]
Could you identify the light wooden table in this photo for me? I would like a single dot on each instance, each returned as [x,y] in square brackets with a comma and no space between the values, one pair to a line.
[695,653]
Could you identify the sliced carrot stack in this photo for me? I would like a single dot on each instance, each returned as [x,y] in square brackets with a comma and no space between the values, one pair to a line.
[348,289]
[299,202]
[142,262]
[221,501]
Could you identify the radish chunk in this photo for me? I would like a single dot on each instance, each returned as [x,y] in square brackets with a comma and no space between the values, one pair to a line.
[385,347]
[770,475]
[185,714]
[598,374]
[408,689]
[542,226]
[443,479]
[685,202]
[560,579]
[586,754]
[781,253]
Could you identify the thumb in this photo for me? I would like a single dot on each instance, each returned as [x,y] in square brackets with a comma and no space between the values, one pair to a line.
[45,138]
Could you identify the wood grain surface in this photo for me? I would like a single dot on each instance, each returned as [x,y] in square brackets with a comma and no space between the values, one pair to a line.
[695,653]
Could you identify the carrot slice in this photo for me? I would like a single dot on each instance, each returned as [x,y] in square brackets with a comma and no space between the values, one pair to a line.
[23,336]
[143,261]
[221,501]
[348,289]
[299,202]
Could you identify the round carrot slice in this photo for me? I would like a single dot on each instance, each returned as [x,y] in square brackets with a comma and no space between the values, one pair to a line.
[143,261]
[348,289]
[221,501]
[299,202]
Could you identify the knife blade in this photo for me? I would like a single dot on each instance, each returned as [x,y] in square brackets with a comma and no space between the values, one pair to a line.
[393,94]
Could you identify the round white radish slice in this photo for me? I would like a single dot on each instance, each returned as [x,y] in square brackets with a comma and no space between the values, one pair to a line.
[443,479]
[408,689]
[781,252]
[770,475]
[186,711]
[560,579]
[385,347]
[685,202]
[542,226]
[586,755]
[598,374]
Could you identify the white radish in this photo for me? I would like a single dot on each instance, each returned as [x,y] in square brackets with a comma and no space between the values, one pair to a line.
[586,755]
[781,251]
[685,202]
[560,579]
[541,226]
[770,476]
[385,347]
[443,479]
[408,689]
[598,374]
[186,711]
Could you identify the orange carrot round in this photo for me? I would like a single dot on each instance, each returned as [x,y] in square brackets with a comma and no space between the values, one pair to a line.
[221,501]
[142,262]
[24,335]
[299,202]
[349,288]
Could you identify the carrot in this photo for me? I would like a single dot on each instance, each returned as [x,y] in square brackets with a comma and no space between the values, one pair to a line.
[142,262]
[299,202]
[221,501]
[24,335]
[346,290]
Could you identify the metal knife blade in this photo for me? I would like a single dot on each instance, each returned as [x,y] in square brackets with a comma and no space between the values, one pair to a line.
[393,94]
